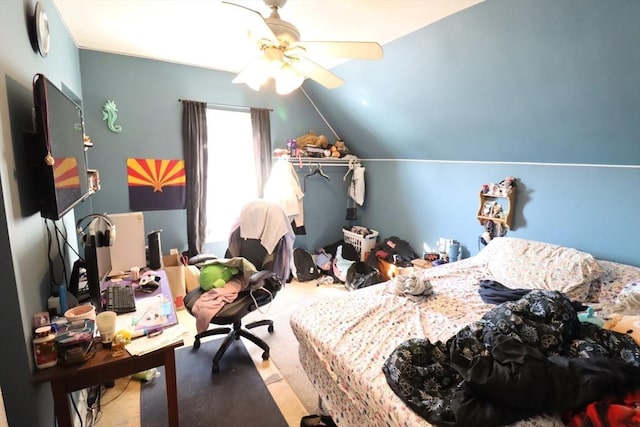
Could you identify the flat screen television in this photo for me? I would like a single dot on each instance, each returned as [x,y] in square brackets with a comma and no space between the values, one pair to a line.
[61,179]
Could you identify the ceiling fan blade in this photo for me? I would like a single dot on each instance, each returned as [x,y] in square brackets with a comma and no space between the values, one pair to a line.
[257,28]
[253,74]
[355,50]
[315,72]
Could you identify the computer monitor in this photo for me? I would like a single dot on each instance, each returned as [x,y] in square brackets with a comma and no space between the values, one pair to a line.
[129,248]
[97,266]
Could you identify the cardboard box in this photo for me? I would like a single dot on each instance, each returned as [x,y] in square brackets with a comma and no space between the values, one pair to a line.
[175,270]
[192,277]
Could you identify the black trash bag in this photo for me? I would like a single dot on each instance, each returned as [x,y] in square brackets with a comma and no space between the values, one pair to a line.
[360,275]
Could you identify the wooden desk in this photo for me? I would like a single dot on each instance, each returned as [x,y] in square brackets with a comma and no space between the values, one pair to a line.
[103,367]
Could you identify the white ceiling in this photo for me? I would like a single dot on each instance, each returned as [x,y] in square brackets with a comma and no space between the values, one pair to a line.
[207,34]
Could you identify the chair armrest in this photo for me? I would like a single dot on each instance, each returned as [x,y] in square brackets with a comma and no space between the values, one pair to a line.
[264,278]
[201,258]
[260,276]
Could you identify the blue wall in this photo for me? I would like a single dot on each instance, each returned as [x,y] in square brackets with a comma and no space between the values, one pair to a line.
[146,93]
[24,270]
[546,91]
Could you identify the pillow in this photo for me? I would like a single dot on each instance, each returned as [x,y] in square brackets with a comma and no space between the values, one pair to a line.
[528,264]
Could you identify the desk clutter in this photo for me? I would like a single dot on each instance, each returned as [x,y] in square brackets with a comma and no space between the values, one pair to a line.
[129,309]
[61,342]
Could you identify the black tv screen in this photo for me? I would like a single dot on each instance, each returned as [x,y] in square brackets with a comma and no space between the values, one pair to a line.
[61,177]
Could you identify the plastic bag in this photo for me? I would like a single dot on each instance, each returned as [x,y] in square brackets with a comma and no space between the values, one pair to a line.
[361,275]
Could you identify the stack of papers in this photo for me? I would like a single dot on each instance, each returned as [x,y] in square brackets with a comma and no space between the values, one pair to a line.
[144,345]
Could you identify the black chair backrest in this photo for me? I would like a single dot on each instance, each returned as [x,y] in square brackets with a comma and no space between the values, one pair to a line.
[253,251]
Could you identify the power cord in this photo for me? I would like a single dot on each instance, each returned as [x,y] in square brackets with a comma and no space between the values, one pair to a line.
[62,256]
[73,402]
[65,237]
[119,394]
[93,403]
[52,279]
[61,242]
[256,302]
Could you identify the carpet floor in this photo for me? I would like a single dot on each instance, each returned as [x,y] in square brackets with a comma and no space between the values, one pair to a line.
[235,396]
[284,346]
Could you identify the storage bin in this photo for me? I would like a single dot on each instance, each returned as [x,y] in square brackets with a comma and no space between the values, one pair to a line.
[362,243]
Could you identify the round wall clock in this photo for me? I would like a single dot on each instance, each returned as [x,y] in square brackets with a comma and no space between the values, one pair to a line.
[41,24]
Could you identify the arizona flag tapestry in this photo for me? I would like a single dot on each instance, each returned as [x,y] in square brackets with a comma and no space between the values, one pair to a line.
[156,184]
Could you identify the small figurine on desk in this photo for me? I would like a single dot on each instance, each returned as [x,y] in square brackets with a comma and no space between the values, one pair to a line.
[120,340]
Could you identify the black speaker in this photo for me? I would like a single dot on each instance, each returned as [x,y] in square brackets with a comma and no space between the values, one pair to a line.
[155,250]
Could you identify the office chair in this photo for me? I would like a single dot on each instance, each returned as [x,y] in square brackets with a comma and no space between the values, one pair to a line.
[273,271]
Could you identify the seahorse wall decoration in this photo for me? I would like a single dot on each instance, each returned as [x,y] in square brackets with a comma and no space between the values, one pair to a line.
[110,114]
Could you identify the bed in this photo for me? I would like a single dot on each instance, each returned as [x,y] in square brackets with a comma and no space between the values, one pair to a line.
[345,340]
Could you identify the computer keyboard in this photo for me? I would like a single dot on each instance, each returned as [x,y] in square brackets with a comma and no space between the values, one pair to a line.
[121,299]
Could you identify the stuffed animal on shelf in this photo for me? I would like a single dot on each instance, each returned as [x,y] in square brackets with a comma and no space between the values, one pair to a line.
[216,276]
[322,141]
[506,185]
[339,149]
[496,210]
[312,139]
[625,324]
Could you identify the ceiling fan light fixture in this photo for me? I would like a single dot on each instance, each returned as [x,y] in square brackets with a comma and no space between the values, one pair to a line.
[278,43]
[256,73]
[288,80]
[255,82]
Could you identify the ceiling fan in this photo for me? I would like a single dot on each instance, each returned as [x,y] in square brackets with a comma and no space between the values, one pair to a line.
[282,56]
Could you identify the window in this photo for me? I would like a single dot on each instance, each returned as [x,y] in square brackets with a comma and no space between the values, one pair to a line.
[231,174]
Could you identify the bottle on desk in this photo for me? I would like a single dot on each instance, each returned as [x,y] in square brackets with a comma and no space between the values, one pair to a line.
[44,348]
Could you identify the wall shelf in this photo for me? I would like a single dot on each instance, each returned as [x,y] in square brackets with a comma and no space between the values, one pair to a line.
[488,200]
[321,161]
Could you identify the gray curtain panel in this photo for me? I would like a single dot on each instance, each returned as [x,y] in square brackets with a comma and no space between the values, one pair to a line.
[194,140]
[261,126]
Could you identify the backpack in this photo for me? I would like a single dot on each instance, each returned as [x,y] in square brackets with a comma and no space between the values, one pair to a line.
[305,268]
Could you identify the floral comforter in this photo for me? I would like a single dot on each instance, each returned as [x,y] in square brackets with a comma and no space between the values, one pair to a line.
[345,340]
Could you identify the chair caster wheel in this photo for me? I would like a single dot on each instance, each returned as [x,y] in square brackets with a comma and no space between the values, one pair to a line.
[265,355]
[270,328]
[215,367]
[196,344]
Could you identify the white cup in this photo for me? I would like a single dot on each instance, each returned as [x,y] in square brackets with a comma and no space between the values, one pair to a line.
[135,273]
[106,322]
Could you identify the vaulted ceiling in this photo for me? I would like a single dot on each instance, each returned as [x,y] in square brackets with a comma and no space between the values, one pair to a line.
[210,34]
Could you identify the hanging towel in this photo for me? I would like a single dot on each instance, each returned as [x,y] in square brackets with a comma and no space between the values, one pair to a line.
[283,187]
[356,189]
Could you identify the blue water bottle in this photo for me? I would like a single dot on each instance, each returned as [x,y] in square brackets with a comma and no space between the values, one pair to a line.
[62,298]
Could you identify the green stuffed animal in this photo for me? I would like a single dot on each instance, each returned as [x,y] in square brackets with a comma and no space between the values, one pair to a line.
[216,276]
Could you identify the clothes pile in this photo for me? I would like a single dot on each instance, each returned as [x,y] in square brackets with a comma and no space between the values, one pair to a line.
[522,359]
[394,250]
[413,287]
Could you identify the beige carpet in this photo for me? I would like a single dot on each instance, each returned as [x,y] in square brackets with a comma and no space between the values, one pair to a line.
[283,374]
[284,346]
